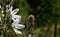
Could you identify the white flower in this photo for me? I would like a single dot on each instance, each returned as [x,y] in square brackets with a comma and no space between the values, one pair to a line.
[13,12]
[17,26]
[16,19]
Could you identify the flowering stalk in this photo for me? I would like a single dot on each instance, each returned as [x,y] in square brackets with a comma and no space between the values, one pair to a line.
[16,19]
[3,4]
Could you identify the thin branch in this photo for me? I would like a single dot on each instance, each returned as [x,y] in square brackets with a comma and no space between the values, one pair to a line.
[11,2]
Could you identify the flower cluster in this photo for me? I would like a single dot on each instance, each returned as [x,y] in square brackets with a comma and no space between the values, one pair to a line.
[16,19]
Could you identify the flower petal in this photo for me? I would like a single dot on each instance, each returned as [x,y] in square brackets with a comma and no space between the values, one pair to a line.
[16,16]
[17,31]
[11,9]
[15,20]
[15,11]
[19,26]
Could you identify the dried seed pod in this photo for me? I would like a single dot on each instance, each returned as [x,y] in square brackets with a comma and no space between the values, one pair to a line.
[31,17]
[30,26]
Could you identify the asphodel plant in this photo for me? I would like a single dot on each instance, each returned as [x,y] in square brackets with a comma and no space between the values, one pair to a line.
[9,18]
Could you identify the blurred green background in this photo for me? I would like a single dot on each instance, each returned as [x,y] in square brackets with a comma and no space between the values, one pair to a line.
[46,13]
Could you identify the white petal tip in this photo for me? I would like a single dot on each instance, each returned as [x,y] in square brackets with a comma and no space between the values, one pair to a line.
[3,15]
[0,6]
[17,31]
[2,11]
